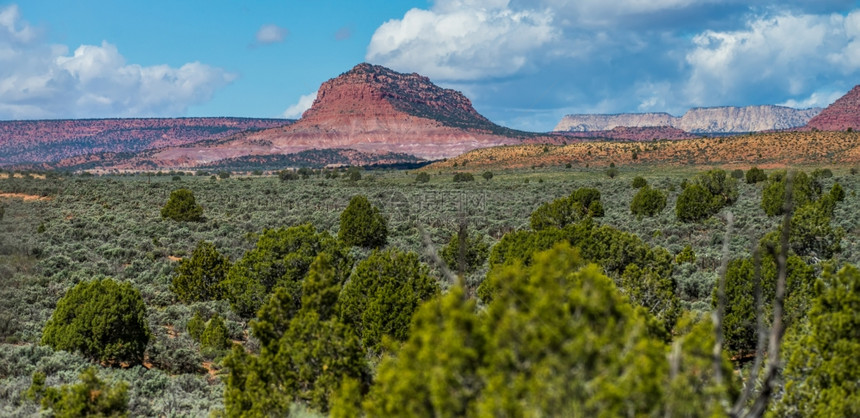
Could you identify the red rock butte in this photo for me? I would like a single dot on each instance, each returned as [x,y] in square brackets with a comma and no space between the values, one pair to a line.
[371,109]
[843,114]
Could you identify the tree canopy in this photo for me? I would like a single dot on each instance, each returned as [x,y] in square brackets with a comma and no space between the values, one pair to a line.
[706,195]
[181,206]
[103,320]
[362,225]
[92,397]
[648,202]
[558,339]
[280,259]
[382,294]
[474,254]
[566,210]
[823,369]
[304,356]
[199,277]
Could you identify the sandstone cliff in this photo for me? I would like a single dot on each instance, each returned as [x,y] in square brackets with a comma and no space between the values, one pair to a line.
[40,141]
[726,119]
[591,123]
[625,133]
[844,113]
[370,109]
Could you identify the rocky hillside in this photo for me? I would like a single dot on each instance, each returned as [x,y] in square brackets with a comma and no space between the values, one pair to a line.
[373,90]
[370,109]
[594,123]
[316,158]
[844,113]
[766,150]
[624,133]
[726,119]
[40,141]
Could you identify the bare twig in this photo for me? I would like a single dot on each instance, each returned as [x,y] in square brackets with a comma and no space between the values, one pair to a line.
[462,234]
[674,369]
[721,304]
[430,251]
[761,328]
[777,330]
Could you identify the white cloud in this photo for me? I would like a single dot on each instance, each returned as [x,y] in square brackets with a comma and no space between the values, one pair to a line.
[11,28]
[270,34]
[462,39]
[816,99]
[593,13]
[39,80]
[654,96]
[305,102]
[788,53]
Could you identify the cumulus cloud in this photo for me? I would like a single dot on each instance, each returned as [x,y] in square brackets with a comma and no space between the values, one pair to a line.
[39,80]
[816,99]
[595,13]
[627,55]
[305,102]
[463,39]
[271,34]
[787,53]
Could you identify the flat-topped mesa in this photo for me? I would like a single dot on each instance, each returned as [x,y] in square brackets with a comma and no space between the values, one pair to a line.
[843,114]
[723,119]
[599,122]
[373,91]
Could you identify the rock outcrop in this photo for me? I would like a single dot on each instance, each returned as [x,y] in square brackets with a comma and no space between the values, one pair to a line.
[40,141]
[844,113]
[373,91]
[703,120]
[624,133]
[367,110]
[370,109]
[594,123]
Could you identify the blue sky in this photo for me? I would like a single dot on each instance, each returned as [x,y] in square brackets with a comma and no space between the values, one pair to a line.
[524,64]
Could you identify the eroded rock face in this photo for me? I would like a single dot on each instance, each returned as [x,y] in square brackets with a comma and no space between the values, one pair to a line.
[725,119]
[375,91]
[39,141]
[729,119]
[844,113]
[592,123]
[370,109]
[625,133]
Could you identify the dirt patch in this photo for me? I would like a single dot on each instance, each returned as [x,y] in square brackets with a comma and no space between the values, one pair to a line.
[171,332]
[20,176]
[25,197]
[210,370]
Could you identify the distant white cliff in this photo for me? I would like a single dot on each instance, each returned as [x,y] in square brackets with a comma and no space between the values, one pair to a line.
[725,119]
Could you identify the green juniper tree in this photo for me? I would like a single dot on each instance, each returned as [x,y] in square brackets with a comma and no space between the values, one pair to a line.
[382,293]
[648,202]
[280,260]
[304,357]
[103,320]
[475,252]
[181,206]
[362,225]
[92,397]
[199,277]
[823,370]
